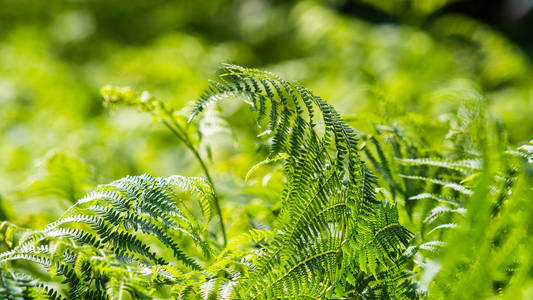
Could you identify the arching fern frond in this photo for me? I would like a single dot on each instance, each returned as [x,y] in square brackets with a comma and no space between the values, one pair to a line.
[104,244]
[329,207]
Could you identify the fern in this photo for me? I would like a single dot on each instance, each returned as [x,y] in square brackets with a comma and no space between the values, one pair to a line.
[338,233]
[329,207]
[469,209]
[106,239]
[334,237]
[488,238]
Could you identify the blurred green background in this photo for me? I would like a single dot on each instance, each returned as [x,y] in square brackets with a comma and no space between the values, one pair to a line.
[411,63]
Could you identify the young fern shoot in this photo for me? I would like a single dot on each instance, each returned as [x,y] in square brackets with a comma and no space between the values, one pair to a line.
[165,114]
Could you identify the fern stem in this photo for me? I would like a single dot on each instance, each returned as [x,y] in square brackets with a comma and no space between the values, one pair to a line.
[170,122]
[182,136]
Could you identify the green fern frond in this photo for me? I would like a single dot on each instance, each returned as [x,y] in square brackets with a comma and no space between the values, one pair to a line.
[329,197]
[452,185]
[465,167]
[436,197]
[439,210]
[21,286]
[107,230]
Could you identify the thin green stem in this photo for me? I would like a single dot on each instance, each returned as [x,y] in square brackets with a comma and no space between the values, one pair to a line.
[182,136]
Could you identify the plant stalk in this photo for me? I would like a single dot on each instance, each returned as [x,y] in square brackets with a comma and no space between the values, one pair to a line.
[182,136]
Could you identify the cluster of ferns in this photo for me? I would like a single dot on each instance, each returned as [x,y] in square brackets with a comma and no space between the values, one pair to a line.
[338,234]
